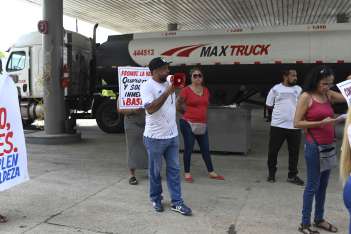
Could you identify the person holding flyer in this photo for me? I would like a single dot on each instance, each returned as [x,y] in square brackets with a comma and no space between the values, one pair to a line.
[129,79]
[315,115]
[134,122]
[161,136]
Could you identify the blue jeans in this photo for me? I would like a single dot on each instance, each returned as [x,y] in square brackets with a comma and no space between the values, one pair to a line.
[168,148]
[189,141]
[316,185]
[347,198]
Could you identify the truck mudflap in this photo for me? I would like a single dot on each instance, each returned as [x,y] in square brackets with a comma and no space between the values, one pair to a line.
[107,117]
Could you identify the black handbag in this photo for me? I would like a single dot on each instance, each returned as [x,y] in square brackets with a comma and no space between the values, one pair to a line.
[327,154]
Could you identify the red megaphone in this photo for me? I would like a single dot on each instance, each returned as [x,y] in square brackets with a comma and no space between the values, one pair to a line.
[178,80]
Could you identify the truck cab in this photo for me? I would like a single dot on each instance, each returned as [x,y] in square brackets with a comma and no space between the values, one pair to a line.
[82,98]
[24,61]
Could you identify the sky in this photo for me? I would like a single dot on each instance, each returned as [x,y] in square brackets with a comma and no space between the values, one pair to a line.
[20,17]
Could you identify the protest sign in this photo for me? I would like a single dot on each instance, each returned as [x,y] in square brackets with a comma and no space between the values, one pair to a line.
[130,80]
[13,153]
[345,89]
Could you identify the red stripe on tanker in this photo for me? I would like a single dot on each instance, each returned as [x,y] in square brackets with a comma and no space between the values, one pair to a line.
[174,50]
[187,52]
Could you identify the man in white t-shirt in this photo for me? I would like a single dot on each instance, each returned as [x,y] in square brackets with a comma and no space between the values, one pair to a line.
[161,136]
[282,99]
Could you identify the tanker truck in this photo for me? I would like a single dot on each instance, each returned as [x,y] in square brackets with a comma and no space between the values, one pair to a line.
[84,98]
[237,64]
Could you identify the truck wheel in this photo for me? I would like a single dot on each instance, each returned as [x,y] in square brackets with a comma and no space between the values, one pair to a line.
[27,122]
[108,119]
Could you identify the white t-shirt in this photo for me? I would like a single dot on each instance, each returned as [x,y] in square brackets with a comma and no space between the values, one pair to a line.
[284,101]
[162,123]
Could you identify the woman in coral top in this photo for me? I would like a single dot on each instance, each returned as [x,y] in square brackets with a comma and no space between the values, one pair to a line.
[193,103]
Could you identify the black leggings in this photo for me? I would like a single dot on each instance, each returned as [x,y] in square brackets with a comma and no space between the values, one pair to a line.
[189,141]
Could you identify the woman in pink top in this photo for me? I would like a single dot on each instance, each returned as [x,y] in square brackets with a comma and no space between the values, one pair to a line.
[315,114]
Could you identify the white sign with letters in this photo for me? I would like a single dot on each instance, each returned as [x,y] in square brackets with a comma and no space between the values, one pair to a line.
[130,80]
[13,153]
[345,88]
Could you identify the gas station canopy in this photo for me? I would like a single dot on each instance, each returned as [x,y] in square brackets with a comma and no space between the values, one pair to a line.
[127,16]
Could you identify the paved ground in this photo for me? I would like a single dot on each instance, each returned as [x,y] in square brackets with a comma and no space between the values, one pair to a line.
[83,188]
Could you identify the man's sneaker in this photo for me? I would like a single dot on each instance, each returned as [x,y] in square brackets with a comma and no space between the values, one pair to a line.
[158,206]
[183,209]
[296,180]
[271,179]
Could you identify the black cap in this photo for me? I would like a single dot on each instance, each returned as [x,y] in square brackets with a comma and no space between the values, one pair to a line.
[157,63]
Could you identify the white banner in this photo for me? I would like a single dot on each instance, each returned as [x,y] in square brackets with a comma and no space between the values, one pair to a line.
[345,88]
[130,80]
[13,153]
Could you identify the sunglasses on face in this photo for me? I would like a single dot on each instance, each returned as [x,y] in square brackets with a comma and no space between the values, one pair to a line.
[197,75]
[327,84]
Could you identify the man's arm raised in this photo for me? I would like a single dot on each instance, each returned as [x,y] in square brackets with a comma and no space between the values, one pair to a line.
[157,103]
